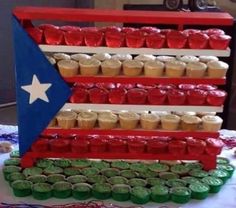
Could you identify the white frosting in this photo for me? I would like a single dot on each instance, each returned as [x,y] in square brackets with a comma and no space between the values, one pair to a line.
[190,119]
[207,59]
[196,66]
[129,116]
[165,58]
[154,65]
[66,115]
[170,118]
[87,116]
[145,57]
[175,65]
[101,56]
[80,56]
[108,117]
[188,59]
[217,65]
[61,56]
[89,62]
[68,64]
[51,60]
[122,57]
[150,117]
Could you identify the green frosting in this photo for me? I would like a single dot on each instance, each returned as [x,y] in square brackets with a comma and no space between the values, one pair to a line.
[137,182]
[80,163]
[122,165]
[226,167]
[102,187]
[15,154]
[71,171]
[158,167]
[155,181]
[148,174]
[117,180]
[180,191]
[168,175]
[53,178]
[16,176]
[21,184]
[53,170]
[32,171]
[199,187]
[222,160]
[198,173]
[11,169]
[44,163]
[219,173]
[139,167]
[97,179]
[37,178]
[159,190]
[61,186]
[190,179]
[100,164]
[129,174]
[194,166]
[110,172]
[176,183]
[42,187]
[12,161]
[212,181]
[180,169]
[90,171]
[63,163]
[77,179]
[140,192]
[121,189]
[82,187]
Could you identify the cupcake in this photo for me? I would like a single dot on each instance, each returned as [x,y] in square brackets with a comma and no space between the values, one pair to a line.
[66,119]
[149,121]
[206,59]
[165,58]
[196,69]
[122,57]
[153,68]
[188,59]
[111,67]
[170,122]
[68,68]
[79,57]
[175,68]
[144,57]
[211,123]
[217,69]
[107,120]
[89,67]
[61,56]
[132,67]
[190,123]
[101,56]
[128,120]
[87,120]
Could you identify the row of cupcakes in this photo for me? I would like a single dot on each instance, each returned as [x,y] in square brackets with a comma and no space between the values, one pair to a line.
[185,94]
[131,120]
[146,65]
[116,37]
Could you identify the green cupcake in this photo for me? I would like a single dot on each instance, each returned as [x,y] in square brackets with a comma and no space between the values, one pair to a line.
[121,165]
[37,179]
[15,176]
[198,173]
[138,167]
[77,179]
[226,167]
[100,165]
[81,191]
[52,170]
[90,171]
[148,174]
[129,174]
[7,170]
[12,161]
[168,175]
[15,154]
[180,169]
[190,179]
[214,183]
[121,192]
[32,171]
[110,172]
[222,160]
[199,190]
[158,167]
[80,163]
[71,171]
[62,163]
[117,180]
[42,191]
[44,163]
[180,195]
[137,182]
[221,174]
[61,189]
[160,194]
[155,181]
[140,195]
[101,191]
[53,178]
[194,166]
[176,183]
[97,179]
[21,188]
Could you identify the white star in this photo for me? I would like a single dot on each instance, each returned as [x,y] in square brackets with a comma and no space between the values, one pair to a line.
[37,90]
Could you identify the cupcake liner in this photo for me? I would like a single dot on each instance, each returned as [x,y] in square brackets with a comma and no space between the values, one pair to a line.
[21,188]
[199,190]
[61,190]
[140,195]
[121,192]
[42,191]
[81,191]
[101,191]
[160,194]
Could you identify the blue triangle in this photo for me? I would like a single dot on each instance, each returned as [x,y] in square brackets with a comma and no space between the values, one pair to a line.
[34,117]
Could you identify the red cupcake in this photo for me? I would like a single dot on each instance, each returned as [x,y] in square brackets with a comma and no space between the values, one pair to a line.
[54,36]
[216,97]
[155,40]
[80,95]
[198,41]
[80,145]
[35,33]
[110,29]
[93,37]
[157,96]
[214,146]
[137,146]
[186,87]
[220,42]
[156,146]
[117,145]
[176,97]
[115,39]
[196,97]
[191,31]
[206,87]
[98,145]
[214,31]
[135,39]
[137,96]
[60,145]
[40,145]
[117,96]
[176,39]
[74,37]
[177,147]
[98,95]
[195,146]
[166,31]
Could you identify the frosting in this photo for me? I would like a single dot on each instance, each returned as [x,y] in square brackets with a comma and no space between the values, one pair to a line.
[87,115]
[175,65]
[189,59]
[129,116]
[196,66]
[150,117]
[122,57]
[68,64]
[165,58]
[66,115]
[89,62]
[107,116]
[101,56]
[190,119]
[61,56]
[212,119]
[111,63]
[145,57]
[207,59]
[80,56]
[51,60]
[217,65]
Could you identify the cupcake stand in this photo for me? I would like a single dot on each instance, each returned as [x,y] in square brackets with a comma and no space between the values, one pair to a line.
[26,15]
